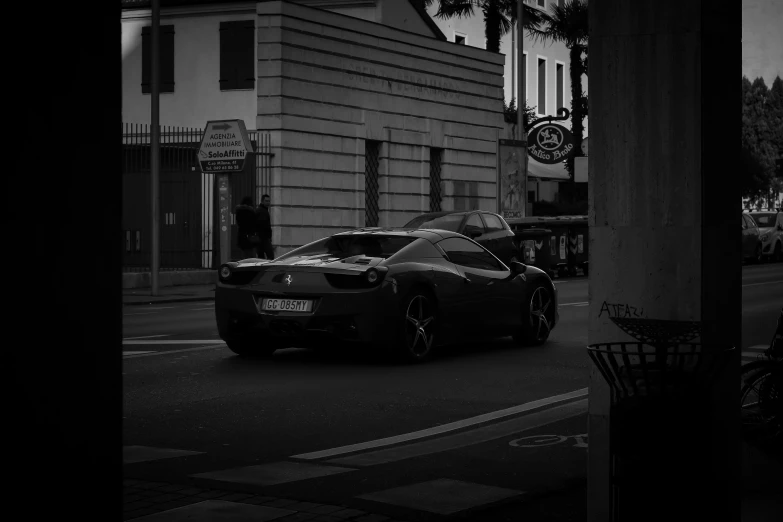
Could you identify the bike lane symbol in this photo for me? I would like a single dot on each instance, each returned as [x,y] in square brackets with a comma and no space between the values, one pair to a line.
[536,441]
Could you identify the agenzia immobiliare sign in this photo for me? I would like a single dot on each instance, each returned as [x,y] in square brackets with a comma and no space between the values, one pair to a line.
[224,147]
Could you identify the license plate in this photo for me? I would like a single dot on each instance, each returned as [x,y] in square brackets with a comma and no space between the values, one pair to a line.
[286,305]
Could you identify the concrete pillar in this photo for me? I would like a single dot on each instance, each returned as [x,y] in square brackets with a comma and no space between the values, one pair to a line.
[663,206]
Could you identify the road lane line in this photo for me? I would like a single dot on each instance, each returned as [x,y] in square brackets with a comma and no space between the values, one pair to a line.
[388,441]
[468,438]
[144,337]
[167,352]
[168,341]
[764,283]
[132,352]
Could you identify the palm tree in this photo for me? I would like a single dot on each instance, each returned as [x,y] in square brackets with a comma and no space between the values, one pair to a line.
[569,25]
[499,16]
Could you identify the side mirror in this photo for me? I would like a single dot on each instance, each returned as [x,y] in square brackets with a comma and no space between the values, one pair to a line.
[518,268]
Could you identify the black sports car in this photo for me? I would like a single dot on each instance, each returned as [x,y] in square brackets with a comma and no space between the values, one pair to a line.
[486,228]
[402,290]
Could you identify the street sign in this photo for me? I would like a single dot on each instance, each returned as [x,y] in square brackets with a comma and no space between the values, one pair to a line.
[224,147]
[550,143]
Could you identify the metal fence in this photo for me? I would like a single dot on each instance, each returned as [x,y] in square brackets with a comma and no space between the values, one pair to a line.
[187,196]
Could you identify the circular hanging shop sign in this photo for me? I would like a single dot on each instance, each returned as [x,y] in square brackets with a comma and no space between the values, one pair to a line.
[550,143]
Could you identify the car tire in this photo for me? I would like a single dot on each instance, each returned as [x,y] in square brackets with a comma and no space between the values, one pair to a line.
[248,348]
[415,340]
[538,315]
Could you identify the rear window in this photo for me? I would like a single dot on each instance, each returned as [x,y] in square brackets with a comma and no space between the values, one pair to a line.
[448,222]
[339,247]
[765,220]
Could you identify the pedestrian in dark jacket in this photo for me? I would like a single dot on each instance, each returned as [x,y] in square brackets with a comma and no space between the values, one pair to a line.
[264,228]
[247,236]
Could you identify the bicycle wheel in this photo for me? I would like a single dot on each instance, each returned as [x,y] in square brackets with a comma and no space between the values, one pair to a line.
[760,405]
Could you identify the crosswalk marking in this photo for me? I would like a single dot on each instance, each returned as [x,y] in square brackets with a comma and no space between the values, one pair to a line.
[218,511]
[134,454]
[442,496]
[272,473]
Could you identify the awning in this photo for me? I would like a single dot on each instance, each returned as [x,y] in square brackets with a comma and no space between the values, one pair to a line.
[542,171]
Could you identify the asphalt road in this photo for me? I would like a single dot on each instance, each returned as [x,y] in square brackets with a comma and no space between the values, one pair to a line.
[275,426]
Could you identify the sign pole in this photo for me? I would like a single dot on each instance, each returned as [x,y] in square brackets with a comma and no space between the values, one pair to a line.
[155,147]
[521,104]
[223,150]
[224,196]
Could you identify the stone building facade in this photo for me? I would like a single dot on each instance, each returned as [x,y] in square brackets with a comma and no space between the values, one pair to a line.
[369,124]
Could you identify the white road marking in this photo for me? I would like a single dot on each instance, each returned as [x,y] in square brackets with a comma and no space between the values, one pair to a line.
[170,341]
[134,352]
[167,352]
[764,283]
[145,337]
[388,441]
[467,438]
[581,303]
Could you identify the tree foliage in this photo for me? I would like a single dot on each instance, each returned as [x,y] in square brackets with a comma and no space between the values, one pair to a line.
[762,136]
[500,16]
[569,24]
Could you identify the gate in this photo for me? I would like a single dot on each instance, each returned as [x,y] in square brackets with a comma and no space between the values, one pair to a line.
[187,197]
[371,193]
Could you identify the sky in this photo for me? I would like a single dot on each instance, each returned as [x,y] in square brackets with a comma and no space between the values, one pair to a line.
[762,39]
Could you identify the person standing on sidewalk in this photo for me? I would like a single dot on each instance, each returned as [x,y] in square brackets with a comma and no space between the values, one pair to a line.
[247,237]
[264,228]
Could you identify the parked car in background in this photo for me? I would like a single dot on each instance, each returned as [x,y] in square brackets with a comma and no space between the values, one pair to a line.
[751,240]
[485,228]
[770,226]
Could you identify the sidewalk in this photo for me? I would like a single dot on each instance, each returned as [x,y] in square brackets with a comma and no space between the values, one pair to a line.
[168,294]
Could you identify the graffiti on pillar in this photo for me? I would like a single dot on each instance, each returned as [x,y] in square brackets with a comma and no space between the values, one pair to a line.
[623,310]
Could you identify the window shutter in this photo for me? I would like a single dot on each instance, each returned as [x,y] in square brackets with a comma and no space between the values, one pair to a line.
[146,60]
[166,59]
[237,55]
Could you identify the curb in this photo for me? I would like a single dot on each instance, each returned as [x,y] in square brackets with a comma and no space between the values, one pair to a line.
[172,300]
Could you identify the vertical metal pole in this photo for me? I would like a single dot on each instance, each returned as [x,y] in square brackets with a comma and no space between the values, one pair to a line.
[522,102]
[514,65]
[155,146]
[224,195]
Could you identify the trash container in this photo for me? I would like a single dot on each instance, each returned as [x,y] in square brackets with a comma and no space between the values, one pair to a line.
[659,420]
[533,243]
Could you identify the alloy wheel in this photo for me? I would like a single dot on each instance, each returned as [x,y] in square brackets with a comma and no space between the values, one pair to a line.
[540,304]
[419,326]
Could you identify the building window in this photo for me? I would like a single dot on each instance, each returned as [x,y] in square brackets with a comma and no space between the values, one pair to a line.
[560,85]
[542,4]
[372,153]
[460,39]
[436,196]
[541,86]
[237,55]
[166,59]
